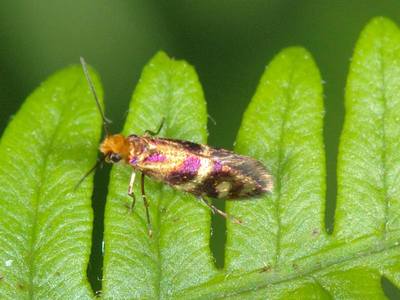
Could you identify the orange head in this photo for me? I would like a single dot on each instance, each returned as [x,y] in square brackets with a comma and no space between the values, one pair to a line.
[115,147]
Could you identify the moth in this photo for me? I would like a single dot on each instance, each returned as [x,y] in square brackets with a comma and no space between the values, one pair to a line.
[200,170]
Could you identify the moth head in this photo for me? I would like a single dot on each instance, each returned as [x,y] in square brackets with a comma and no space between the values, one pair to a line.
[115,148]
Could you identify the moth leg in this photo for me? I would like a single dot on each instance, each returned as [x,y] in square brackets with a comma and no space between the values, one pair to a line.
[130,191]
[153,133]
[212,119]
[146,205]
[220,212]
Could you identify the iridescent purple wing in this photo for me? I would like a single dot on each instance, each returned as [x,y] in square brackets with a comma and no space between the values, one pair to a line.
[217,173]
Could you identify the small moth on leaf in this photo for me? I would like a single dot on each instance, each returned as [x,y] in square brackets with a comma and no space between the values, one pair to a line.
[201,170]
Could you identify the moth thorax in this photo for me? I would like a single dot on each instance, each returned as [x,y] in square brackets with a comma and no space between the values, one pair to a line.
[116,143]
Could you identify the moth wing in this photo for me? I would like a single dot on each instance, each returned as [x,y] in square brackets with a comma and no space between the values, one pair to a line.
[248,176]
[234,176]
[246,166]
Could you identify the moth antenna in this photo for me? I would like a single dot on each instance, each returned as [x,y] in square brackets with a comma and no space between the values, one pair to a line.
[91,85]
[96,165]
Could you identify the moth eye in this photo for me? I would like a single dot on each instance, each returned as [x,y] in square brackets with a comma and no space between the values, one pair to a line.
[115,157]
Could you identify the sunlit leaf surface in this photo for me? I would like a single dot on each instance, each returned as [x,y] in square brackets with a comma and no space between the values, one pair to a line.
[45,226]
[178,255]
[281,251]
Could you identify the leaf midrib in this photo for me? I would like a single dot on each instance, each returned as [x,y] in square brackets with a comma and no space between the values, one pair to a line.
[288,98]
[257,279]
[48,150]
[383,132]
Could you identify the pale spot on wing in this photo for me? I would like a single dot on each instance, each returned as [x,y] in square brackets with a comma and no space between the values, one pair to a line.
[188,186]
[205,169]
[246,189]
[223,189]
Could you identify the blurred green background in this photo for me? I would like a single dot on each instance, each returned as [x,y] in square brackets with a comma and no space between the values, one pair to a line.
[228,42]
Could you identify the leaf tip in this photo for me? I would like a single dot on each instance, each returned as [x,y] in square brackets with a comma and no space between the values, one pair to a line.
[380,21]
[379,25]
[161,55]
[296,52]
